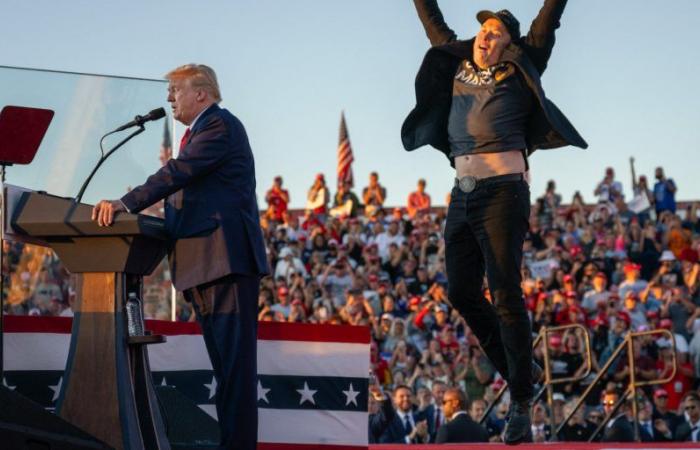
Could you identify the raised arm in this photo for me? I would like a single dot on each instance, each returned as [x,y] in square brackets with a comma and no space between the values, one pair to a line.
[434,24]
[540,39]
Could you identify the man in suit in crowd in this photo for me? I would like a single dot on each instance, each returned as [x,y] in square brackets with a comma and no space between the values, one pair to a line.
[689,430]
[434,413]
[541,431]
[381,413]
[217,254]
[460,427]
[619,428]
[407,427]
[662,412]
[651,430]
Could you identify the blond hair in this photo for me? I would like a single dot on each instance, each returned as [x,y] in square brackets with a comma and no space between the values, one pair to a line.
[199,76]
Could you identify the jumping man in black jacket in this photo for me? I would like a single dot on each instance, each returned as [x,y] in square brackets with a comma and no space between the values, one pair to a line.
[480,102]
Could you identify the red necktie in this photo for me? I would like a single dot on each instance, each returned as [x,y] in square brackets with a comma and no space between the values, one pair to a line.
[185,136]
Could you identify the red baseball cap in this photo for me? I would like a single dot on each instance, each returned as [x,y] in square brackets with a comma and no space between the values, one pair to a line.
[599,321]
[555,340]
[666,324]
[497,385]
[630,266]
[414,301]
[568,278]
[660,392]
[601,275]
[622,315]
[282,290]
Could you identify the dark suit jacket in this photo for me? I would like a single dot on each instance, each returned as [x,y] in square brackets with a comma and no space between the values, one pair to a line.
[429,414]
[395,433]
[461,429]
[654,436]
[379,422]
[683,432]
[620,431]
[211,213]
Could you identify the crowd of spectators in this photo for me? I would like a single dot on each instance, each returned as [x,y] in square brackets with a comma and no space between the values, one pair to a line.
[616,265]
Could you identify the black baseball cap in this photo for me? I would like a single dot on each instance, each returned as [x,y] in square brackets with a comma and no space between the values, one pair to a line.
[505,17]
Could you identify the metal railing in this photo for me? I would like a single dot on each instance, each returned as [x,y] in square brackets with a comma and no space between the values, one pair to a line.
[549,381]
[628,344]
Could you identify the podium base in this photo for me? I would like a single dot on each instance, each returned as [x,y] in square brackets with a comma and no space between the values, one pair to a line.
[24,425]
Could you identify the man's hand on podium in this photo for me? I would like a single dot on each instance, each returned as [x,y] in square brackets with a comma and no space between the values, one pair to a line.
[104,211]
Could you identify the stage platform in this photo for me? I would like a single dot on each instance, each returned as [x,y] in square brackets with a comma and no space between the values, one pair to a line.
[545,446]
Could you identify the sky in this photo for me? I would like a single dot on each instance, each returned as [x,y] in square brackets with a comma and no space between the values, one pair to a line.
[622,71]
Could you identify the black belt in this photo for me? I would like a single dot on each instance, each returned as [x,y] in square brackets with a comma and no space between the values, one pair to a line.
[468,183]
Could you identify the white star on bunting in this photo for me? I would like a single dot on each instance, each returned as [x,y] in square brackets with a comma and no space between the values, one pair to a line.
[56,389]
[351,396]
[212,387]
[164,383]
[262,393]
[307,394]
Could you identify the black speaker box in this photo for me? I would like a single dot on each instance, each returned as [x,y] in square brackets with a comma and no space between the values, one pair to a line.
[187,426]
[25,425]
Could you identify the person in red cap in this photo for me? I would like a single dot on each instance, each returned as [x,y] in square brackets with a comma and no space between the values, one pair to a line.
[569,283]
[632,282]
[318,197]
[282,305]
[277,200]
[571,313]
[635,310]
[661,412]
[599,295]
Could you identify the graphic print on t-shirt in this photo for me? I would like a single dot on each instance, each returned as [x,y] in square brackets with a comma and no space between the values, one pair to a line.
[468,74]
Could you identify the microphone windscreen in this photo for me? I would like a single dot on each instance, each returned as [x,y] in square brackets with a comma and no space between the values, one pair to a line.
[157,113]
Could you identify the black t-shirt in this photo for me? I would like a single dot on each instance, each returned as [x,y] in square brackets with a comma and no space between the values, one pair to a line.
[490,109]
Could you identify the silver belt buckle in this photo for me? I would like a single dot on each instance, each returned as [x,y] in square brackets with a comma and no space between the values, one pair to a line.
[467,183]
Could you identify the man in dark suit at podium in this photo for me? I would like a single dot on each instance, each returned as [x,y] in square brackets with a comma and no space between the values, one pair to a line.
[217,253]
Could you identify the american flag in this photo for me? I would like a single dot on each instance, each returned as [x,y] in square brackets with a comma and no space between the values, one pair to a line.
[312,379]
[345,157]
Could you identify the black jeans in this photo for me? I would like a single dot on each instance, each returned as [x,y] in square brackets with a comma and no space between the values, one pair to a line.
[485,231]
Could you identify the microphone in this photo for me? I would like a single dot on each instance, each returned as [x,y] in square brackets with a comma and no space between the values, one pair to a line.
[140,120]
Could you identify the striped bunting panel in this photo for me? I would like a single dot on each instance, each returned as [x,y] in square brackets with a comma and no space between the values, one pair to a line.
[312,379]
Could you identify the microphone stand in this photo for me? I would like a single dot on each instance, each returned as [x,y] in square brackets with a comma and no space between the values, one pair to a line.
[2,273]
[104,157]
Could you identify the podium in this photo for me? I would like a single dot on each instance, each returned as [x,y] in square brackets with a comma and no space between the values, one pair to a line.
[107,389]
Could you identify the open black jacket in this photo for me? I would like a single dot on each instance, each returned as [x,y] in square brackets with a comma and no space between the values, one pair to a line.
[427,123]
